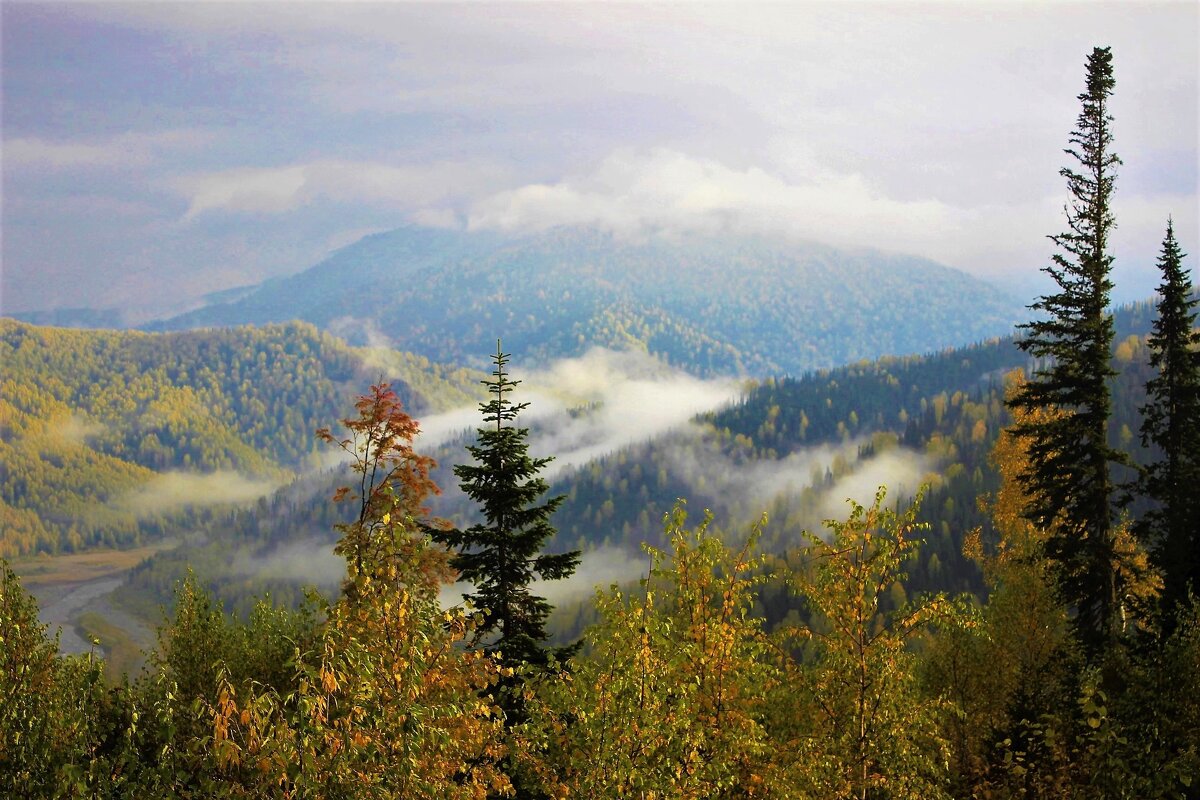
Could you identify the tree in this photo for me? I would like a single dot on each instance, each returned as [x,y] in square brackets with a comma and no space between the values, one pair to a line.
[388,469]
[673,696]
[385,702]
[1069,475]
[1007,667]
[1171,423]
[501,555]
[861,729]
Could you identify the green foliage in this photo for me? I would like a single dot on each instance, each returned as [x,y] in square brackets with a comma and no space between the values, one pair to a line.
[1171,424]
[863,729]
[1069,473]
[55,713]
[672,697]
[91,420]
[502,555]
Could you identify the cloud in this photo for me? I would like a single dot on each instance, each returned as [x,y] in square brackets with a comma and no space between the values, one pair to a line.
[901,471]
[170,491]
[310,561]
[275,190]
[599,568]
[639,192]
[742,488]
[634,192]
[584,408]
[124,151]
[77,430]
[264,191]
[587,407]
[57,155]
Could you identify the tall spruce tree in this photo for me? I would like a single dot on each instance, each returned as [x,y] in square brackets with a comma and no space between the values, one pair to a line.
[1171,424]
[1069,478]
[502,555]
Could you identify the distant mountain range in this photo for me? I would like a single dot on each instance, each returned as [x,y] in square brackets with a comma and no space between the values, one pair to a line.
[710,304]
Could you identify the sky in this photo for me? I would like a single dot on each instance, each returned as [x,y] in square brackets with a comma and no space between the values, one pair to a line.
[155,152]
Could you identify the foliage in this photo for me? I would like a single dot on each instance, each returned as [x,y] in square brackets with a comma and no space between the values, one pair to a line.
[501,556]
[376,699]
[672,699]
[55,713]
[862,728]
[100,429]
[1007,668]
[1171,424]
[1069,454]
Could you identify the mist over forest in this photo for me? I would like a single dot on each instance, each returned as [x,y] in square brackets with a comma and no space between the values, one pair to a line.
[688,401]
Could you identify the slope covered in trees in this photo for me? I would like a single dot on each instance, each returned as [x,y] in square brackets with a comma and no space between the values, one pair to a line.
[709,304]
[683,689]
[794,447]
[105,435]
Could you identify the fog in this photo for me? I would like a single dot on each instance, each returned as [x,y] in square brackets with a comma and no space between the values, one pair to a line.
[308,561]
[78,430]
[598,568]
[587,407]
[745,487]
[171,491]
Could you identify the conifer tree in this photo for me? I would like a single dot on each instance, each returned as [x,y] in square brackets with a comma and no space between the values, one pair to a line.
[1069,479]
[502,555]
[1171,423]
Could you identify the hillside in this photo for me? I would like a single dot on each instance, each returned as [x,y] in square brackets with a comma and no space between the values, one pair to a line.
[115,437]
[795,448]
[707,304]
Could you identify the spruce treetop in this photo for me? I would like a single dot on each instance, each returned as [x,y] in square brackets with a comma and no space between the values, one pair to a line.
[1069,454]
[502,554]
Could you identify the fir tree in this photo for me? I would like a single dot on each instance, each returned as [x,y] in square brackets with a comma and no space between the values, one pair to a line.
[1171,423]
[502,555]
[1069,479]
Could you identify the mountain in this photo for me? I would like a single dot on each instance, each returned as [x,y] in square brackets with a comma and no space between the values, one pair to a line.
[795,448]
[117,437]
[709,304]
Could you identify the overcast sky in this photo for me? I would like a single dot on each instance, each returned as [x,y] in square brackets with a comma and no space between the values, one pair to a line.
[156,151]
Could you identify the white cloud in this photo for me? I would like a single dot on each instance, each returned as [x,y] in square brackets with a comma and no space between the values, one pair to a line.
[169,491]
[275,190]
[632,192]
[245,190]
[663,190]
[57,155]
[625,398]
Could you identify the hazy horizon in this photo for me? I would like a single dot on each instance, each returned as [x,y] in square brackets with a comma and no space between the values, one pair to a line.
[156,152]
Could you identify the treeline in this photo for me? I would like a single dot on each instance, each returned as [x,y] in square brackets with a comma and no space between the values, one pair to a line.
[710,304]
[943,411]
[679,690]
[87,418]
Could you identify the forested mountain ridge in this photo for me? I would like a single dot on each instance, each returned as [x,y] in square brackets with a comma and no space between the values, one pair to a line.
[708,304]
[793,447]
[104,433]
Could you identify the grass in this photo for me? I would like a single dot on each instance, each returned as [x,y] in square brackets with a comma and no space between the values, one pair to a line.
[80,567]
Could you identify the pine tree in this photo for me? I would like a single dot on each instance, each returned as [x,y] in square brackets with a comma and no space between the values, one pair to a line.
[1171,423]
[1069,479]
[502,555]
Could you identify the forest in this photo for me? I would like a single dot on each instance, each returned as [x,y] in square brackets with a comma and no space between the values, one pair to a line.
[1041,639]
